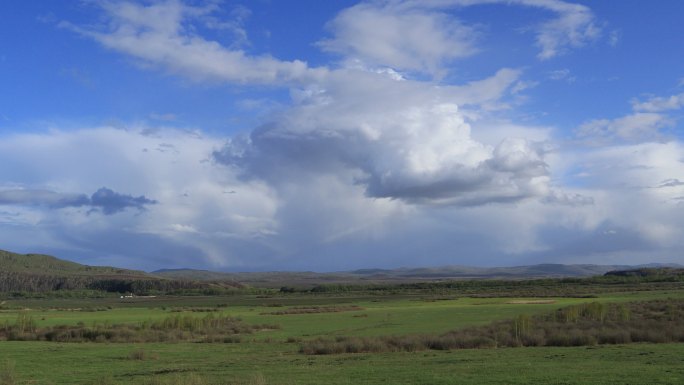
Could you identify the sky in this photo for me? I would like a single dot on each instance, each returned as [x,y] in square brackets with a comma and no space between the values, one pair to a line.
[336,135]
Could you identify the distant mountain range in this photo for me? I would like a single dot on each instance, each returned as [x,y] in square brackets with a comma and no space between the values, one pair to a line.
[273,279]
[38,272]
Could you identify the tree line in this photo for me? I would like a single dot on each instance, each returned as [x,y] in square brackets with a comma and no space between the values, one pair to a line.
[22,282]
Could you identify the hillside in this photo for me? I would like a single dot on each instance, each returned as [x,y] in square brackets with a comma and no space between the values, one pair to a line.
[47,264]
[38,273]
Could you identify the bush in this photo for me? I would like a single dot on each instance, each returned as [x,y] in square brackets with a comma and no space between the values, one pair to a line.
[210,328]
[577,325]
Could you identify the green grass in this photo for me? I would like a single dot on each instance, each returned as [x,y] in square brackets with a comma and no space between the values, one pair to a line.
[47,363]
[389,316]
[266,357]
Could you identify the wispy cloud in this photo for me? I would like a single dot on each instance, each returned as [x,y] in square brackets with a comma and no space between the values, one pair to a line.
[161,34]
[670,183]
[410,36]
[659,103]
[562,74]
[45,198]
[637,127]
[573,26]
[646,123]
[389,34]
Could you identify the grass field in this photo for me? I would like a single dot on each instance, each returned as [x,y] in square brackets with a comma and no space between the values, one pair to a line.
[272,356]
[270,363]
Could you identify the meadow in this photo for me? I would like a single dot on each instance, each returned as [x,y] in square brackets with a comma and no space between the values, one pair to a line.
[273,354]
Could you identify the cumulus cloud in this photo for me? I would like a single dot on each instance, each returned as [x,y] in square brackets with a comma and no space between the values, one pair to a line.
[399,139]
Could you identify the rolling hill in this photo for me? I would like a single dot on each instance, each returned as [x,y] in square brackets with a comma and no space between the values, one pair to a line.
[44,273]
[47,264]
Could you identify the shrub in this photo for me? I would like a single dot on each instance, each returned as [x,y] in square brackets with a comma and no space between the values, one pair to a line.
[577,325]
[210,328]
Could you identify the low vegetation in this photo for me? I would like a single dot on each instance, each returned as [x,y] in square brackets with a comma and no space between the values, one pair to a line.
[406,331]
[578,325]
[211,328]
[315,310]
[611,282]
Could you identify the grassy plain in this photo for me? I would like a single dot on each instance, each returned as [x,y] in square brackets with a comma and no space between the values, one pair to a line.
[269,363]
[272,356]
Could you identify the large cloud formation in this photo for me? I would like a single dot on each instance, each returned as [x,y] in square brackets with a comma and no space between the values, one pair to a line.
[373,160]
[399,139]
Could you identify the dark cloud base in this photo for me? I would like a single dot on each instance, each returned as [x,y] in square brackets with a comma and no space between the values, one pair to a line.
[105,200]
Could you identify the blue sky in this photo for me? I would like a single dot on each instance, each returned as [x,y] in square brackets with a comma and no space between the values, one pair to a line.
[329,135]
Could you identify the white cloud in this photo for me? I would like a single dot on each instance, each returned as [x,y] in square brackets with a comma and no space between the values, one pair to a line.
[191,210]
[424,36]
[401,139]
[647,123]
[614,38]
[659,104]
[622,178]
[574,27]
[670,183]
[235,24]
[159,34]
[486,93]
[415,39]
[406,36]
[562,74]
[365,161]
[637,127]
[308,209]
